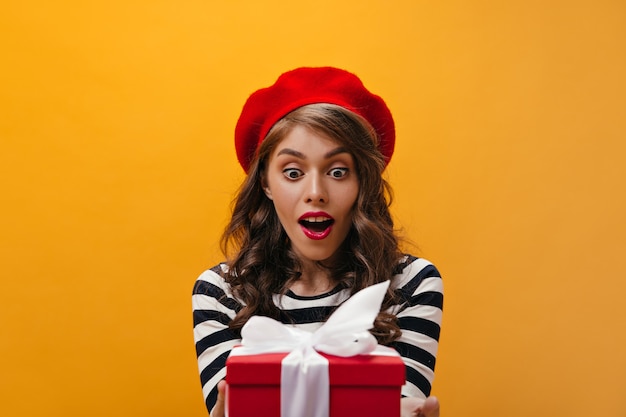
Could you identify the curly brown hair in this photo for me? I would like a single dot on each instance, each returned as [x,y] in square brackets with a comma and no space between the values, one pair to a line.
[262,262]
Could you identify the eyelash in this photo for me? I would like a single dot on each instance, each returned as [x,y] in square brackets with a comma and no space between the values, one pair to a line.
[344,172]
[288,170]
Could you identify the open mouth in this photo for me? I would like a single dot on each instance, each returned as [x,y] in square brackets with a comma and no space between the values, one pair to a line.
[316,224]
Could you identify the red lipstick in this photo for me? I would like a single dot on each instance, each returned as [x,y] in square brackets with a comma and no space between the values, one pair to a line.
[316,225]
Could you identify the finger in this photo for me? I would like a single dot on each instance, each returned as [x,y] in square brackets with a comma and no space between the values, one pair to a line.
[218,409]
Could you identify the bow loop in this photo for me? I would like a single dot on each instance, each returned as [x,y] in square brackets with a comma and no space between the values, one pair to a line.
[266,335]
[345,333]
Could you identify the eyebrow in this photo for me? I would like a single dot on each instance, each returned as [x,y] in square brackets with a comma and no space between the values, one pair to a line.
[300,155]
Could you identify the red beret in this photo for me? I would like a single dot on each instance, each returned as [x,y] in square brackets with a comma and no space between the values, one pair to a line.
[304,86]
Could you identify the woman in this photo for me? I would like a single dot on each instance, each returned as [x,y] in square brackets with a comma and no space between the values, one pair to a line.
[311,226]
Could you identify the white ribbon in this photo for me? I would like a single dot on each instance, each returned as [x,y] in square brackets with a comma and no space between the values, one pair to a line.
[305,387]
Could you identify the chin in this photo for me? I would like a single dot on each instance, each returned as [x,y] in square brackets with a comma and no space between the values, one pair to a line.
[316,255]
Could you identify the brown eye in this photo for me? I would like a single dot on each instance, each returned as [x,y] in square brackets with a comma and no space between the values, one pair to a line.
[338,172]
[292,173]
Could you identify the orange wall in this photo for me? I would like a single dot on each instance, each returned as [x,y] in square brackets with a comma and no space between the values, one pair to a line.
[117,166]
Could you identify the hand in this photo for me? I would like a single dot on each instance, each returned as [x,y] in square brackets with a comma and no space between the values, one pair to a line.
[218,409]
[417,407]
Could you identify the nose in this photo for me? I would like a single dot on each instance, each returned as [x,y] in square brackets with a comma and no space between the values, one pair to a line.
[316,190]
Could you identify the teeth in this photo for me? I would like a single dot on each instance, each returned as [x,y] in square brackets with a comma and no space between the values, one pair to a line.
[315,219]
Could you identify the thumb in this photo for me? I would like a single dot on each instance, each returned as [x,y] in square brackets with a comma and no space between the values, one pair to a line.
[430,408]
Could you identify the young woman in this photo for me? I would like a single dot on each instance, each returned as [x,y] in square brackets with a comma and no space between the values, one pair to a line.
[311,226]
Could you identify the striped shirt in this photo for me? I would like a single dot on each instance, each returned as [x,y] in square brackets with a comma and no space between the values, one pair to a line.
[417,283]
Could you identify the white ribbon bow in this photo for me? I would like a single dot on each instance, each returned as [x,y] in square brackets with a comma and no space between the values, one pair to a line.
[305,387]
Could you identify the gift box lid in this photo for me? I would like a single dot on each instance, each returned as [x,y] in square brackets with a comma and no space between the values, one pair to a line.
[359,370]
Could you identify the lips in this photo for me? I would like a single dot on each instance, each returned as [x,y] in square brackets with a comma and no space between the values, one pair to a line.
[316,225]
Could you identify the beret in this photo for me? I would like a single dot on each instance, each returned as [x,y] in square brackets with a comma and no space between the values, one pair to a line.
[303,86]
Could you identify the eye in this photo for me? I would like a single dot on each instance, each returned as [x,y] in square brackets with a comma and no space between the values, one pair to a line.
[292,173]
[338,172]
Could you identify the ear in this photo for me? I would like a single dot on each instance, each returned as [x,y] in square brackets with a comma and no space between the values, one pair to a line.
[266,189]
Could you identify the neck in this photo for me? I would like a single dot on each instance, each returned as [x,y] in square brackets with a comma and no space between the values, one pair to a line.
[314,280]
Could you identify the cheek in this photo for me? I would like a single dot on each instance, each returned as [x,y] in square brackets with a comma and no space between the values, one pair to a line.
[350,198]
[348,208]
[282,199]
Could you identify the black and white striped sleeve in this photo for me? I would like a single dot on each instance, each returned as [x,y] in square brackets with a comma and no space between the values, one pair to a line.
[213,308]
[419,316]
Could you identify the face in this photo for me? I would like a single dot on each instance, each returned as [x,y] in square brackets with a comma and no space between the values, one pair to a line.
[312,181]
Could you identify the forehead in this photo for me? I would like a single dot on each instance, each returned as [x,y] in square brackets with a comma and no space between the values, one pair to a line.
[308,141]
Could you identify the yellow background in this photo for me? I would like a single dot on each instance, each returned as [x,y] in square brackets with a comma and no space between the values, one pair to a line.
[117,169]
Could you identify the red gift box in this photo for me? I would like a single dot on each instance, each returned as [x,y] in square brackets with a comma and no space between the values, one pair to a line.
[362,385]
